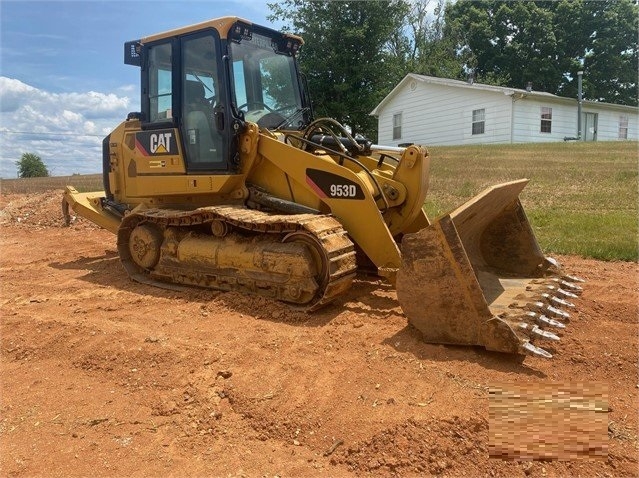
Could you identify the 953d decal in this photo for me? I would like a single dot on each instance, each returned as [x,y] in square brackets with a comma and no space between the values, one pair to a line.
[329,185]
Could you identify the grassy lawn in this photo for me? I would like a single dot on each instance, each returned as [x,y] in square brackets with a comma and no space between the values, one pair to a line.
[581,199]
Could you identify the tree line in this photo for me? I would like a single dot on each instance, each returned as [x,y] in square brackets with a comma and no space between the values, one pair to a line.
[355,52]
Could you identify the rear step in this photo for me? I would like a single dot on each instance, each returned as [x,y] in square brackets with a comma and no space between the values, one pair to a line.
[91,206]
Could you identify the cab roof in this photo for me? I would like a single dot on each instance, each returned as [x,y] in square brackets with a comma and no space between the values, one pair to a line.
[222,25]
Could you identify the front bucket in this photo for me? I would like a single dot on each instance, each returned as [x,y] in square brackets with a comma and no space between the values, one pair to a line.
[478,277]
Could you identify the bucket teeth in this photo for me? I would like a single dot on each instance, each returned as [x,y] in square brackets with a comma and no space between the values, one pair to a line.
[572,278]
[531,349]
[536,331]
[566,293]
[557,301]
[550,310]
[552,262]
[543,320]
[558,312]
[529,320]
[561,292]
[546,312]
[544,334]
[571,286]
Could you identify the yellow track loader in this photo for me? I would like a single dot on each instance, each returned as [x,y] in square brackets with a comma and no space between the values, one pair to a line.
[225,180]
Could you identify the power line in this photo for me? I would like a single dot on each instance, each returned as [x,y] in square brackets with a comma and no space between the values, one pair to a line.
[53,134]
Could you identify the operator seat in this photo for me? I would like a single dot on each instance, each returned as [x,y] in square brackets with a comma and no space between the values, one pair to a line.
[199,132]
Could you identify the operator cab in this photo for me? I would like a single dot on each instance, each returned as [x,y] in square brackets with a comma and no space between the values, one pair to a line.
[207,80]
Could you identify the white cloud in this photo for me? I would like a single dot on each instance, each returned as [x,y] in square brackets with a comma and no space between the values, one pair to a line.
[64,129]
[11,93]
[89,127]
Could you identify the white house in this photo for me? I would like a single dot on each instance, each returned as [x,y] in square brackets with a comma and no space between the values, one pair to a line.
[438,111]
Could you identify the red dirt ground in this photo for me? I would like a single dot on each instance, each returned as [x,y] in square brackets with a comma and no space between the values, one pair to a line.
[102,376]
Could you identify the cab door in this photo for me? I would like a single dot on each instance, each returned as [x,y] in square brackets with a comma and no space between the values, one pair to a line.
[205,138]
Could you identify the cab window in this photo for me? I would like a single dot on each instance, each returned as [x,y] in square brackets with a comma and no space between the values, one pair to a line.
[160,83]
[265,82]
[200,98]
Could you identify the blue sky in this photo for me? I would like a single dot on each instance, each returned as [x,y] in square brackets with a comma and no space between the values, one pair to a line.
[63,82]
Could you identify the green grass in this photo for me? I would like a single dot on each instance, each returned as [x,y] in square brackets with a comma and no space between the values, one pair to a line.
[581,199]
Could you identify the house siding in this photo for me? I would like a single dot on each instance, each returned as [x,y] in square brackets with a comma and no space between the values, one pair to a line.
[608,124]
[437,111]
[527,123]
[439,115]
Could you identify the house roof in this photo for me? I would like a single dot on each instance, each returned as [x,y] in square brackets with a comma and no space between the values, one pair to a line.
[522,93]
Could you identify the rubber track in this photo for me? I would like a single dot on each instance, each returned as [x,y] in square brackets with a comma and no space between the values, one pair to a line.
[337,247]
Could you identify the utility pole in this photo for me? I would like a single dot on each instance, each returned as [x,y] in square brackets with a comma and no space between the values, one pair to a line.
[579,102]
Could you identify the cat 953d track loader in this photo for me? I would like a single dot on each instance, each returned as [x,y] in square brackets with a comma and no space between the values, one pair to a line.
[225,180]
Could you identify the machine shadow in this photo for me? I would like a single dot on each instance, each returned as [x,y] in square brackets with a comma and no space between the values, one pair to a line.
[409,340]
[369,295]
[378,299]
[372,296]
[106,270]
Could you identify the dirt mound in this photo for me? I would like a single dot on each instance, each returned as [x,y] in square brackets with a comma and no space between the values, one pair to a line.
[421,447]
[37,210]
[103,376]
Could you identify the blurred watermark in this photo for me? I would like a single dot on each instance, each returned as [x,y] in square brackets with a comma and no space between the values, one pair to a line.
[548,421]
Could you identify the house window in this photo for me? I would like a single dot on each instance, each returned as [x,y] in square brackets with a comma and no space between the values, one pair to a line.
[479,121]
[623,127]
[546,119]
[397,126]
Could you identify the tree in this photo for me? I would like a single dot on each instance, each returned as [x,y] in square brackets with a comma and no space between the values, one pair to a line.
[346,55]
[611,58]
[31,166]
[511,43]
[421,47]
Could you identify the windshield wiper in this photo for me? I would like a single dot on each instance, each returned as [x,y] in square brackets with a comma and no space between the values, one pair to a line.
[291,117]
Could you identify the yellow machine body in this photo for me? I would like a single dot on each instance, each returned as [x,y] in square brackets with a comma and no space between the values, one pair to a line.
[261,198]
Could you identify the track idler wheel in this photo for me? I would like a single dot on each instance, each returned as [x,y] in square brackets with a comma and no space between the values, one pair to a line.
[145,242]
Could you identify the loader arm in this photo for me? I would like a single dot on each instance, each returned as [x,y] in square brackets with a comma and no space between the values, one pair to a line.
[318,181]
